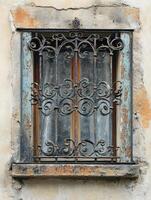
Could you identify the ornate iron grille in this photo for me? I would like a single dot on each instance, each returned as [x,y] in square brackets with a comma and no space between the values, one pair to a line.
[65,93]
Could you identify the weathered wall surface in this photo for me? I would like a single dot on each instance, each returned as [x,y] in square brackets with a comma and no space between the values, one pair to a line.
[69,189]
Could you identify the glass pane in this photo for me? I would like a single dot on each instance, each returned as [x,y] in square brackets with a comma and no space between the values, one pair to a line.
[104,74]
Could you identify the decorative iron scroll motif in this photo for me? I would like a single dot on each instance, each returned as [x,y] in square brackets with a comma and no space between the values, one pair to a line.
[75,42]
[85,148]
[84,97]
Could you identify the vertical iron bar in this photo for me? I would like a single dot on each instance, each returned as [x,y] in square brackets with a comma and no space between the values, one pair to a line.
[41,85]
[36,111]
[112,117]
[113,80]
[56,110]
[76,123]
[76,62]
[95,83]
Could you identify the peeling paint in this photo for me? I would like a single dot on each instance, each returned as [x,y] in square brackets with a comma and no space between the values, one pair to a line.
[74,170]
[143,106]
[21,16]
[125,115]
[133,14]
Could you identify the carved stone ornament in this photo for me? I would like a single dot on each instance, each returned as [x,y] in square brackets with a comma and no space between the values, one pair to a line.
[76,23]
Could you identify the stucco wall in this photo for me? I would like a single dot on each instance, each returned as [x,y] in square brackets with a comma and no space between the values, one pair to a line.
[69,189]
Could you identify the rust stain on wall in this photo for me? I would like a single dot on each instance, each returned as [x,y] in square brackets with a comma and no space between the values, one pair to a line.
[142,106]
[24,19]
[133,13]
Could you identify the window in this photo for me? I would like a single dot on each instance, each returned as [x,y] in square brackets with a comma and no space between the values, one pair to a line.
[76,98]
[75,95]
[76,103]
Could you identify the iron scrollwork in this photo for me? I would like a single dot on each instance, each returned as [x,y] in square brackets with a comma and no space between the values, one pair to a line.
[84,97]
[89,96]
[75,41]
[85,148]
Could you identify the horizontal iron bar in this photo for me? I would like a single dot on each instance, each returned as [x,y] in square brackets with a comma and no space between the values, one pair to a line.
[83,157]
[74,157]
[74,30]
[102,162]
[78,162]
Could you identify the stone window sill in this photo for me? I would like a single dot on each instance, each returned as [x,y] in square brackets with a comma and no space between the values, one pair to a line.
[20,170]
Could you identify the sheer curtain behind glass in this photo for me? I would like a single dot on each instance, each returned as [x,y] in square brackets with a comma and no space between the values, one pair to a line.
[57,127]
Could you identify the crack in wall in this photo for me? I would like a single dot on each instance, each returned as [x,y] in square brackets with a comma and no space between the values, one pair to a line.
[81,8]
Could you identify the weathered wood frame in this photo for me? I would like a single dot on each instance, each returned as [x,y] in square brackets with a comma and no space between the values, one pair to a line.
[124,132]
